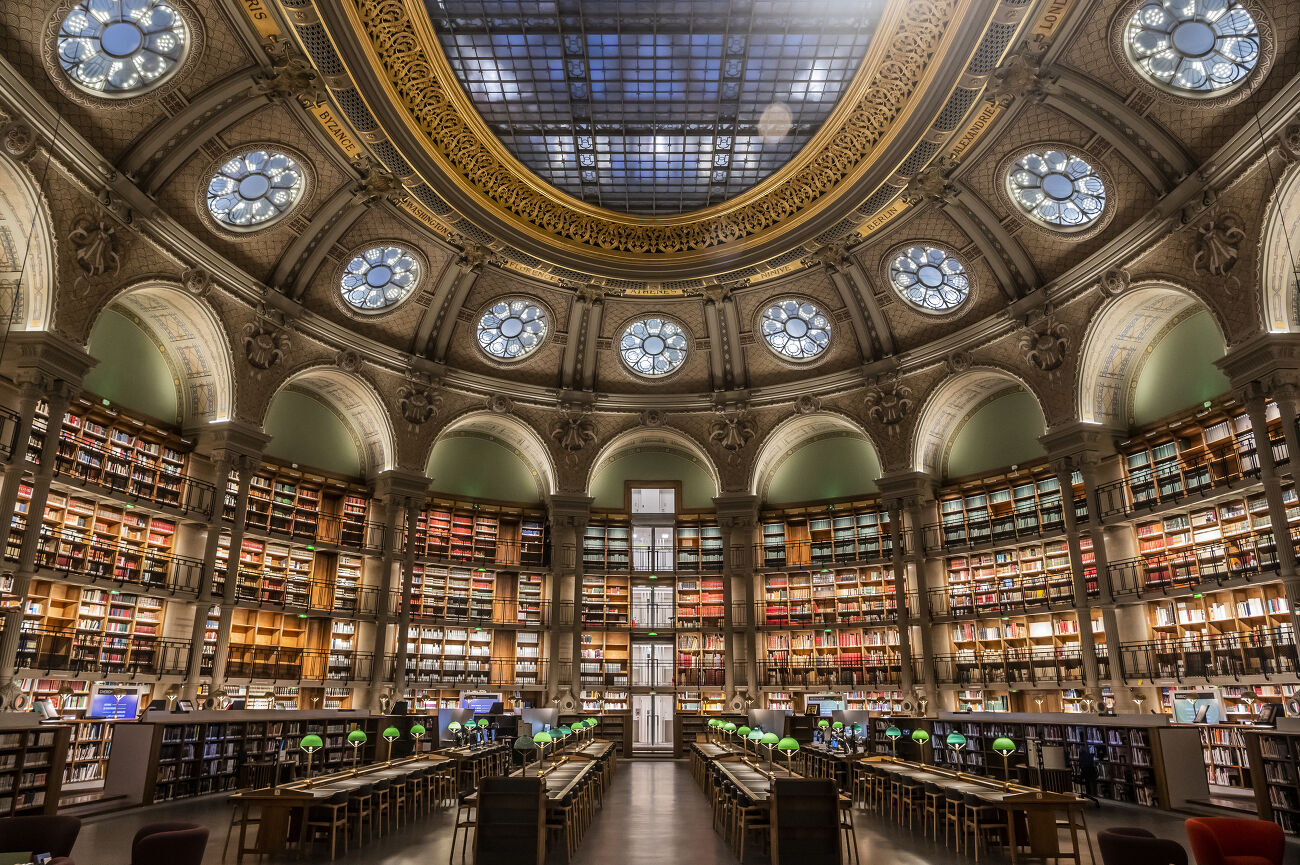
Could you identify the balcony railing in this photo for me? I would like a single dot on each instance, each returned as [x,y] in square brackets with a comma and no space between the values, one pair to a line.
[278,592]
[482,613]
[1027,666]
[95,466]
[288,664]
[815,675]
[1024,522]
[66,551]
[1240,557]
[645,559]
[330,530]
[1005,596]
[48,651]
[475,671]
[483,552]
[1169,484]
[785,615]
[1265,652]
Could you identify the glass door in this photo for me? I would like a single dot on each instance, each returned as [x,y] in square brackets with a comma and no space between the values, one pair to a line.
[652,548]
[652,722]
[652,665]
[652,607]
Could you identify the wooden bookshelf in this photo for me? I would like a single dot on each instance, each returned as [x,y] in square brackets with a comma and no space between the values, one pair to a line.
[481,534]
[824,535]
[32,758]
[700,603]
[603,702]
[841,657]
[1027,576]
[1207,615]
[604,660]
[605,601]
[276,574]
[267,645]
[1003,508]
[1274,760]
[701,660]
[698,546]
[606,546]
[828,597]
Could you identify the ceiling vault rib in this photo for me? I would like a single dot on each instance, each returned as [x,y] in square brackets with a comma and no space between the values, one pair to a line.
[299,249]
[731,321]
[1123,142]
[451,310]
[595,315]
[713,328]
[191,143]
[420,344]
[852,300]
[881,333]
[573,347]
[1013,267]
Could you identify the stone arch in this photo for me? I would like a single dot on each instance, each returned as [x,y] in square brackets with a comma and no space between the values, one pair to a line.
[952,402]
[1115,346]
[357,404]
[511,432]
[193,342]
[27,262]
[664,438]
[1279,257]
[790,434]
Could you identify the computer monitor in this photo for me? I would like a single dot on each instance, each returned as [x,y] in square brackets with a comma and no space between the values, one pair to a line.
[498,708]
[103,705]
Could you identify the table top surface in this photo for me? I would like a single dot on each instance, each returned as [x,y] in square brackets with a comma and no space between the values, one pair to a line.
[561,778]
[753,783]
[326,786]
[987,790]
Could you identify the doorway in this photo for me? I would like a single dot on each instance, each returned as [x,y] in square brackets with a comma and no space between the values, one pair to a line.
[652,607]
[652,665]
[652,723]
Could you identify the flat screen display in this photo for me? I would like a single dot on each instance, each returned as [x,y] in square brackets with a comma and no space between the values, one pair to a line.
[480,705]
[112,706]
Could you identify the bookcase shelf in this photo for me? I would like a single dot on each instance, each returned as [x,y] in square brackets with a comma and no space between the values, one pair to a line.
[842,596]
[605,601]
[606,546]
[285,502]
[32,759]
[700,603]
[698,546]
[1004,508]
[847,657]
[701,660]
[1012,579]
[1274,760]
[840,534]
[603,661]
[481,534]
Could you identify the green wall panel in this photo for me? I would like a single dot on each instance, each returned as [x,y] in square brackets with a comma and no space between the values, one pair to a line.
[132,371]
[304,431]
[697,486]
[828,468]
[1003,433]
[481,468]
[1180,371]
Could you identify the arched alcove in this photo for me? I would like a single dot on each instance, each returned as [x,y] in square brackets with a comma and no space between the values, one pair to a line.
[306,414]
[469,463]
[815,456]
[26,251]
[1147,353]
[1279,257]
[653,455]
[959,408]
[132,370]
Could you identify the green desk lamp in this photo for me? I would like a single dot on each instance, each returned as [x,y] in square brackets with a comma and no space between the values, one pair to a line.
[542,739]
[838,725]
[389,734]
[356,739]
[714,725]
[741,733]
[311,743]
[754,736]
[920,737]
[453,728]
[417,730]
[893,734]
[956,741]
[1004,746]
[729,730]
[524,745]
[788,746]
[770,740]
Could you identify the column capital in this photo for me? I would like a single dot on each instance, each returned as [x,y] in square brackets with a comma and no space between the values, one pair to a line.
[1078,442]
[736,510]
[1263,357]
[49,353]
[567,509]
[395,484]
[907,488]
[237,438]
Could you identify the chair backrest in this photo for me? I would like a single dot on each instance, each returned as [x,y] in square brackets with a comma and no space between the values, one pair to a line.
[169,844]
[1213,838]
[805,822]
[1124,845]
[339,798]
[511,821]
[39,833]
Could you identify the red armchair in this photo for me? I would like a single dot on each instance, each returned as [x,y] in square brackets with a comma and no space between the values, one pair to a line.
[1230,841]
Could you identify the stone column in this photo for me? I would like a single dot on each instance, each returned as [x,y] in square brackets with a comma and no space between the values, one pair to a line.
[737,516]
[1064,470]
[906,494]
[1253,398]
[569,514]
[1286,394]
[204,598]
[919,513]
[244,466]
[403,493]
[1090,466]
[58,400]
[413,507]
[31,387]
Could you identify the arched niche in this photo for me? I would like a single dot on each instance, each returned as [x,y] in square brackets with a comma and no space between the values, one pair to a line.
[186,345]
[958,406]
[653,454]
[1154,329]
[479,432]
[1279,257]
[310,409]
[813,457]
[26,251]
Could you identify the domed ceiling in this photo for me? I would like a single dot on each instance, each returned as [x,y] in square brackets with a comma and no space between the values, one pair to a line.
[661,147]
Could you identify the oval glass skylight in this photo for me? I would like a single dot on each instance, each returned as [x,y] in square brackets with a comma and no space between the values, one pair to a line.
[653,347]
[796,329]
[1196,47]
[929,278]
[119,48]
[254,189]
[378,278]
[1057,189]
[512,328]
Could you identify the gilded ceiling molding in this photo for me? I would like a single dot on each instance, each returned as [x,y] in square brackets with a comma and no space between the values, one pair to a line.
[899,65]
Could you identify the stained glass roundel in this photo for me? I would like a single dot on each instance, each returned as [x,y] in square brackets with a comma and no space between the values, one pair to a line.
[1057,189]
[512,328]
[653,346]
[254,189]
[796,329]
[119,48]
[379,277]
[1196,47]
[929,278]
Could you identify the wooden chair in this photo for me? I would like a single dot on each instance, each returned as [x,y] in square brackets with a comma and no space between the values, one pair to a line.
[932,810]
[400,814]
[952,816]
[847,829]
[361,815]
[328,817]
[980,820]
[381,792]
[466,819]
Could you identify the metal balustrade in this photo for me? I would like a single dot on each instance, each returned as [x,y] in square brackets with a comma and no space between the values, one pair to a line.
[279,663]
[1168,485]
[781,615]
[46,651]
[1010,596]
[1264,652]
[646,560]
[819,674]
[72,552]
[1197,566]
[1017,666]
[474,672]
[794,555]
[275,591]
[327,530]
[92,466]
[482,612]
[487,553]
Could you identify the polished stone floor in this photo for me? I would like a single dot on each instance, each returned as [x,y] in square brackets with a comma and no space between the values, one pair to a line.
[653,815]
